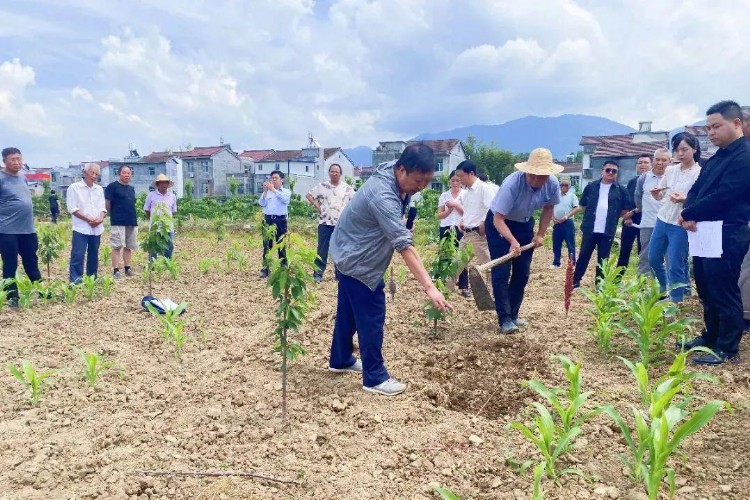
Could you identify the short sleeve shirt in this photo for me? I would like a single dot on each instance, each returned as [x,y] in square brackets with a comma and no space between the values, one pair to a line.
[332,200]
[454,217]
[122,204]
[16,208]
[517,200]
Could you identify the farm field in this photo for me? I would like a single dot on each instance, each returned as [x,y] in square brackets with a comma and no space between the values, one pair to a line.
[219,410]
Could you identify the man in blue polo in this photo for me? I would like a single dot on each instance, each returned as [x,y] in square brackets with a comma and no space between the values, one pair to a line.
[275,202]
[370,228]
[510,225]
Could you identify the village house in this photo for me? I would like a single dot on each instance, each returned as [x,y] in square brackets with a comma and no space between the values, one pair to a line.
[624,149]
[448,154]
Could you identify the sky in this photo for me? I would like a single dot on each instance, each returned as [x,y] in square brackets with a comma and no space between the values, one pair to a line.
[81,80]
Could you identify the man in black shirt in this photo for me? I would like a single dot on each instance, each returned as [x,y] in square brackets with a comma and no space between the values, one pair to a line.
[630,234]
[721,192]
[119,198]
[54,207]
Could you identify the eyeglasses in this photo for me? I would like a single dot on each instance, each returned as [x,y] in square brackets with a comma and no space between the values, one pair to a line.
[564,185]
[610,170]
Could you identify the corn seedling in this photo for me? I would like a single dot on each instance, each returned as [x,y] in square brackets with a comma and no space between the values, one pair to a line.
[26,291]
[652,327]
[88,284]
[220,229]
[606,305]
[93,365]
[446,494]
[206,264]
[106,283]
[171,266]
[173,329]
[50,244]
[289,282]
[235,255]
[30,378]
[450,260]
[70,292]
[106,254]
[49,292]
[156,241]
[663,423]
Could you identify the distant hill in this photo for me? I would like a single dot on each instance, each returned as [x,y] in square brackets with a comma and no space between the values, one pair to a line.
[560,134]
[361,156]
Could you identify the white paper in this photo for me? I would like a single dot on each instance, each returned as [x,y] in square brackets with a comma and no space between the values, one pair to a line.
[706,240]
[637,226]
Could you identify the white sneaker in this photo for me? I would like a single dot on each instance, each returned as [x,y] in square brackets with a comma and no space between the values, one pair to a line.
[390,387]
[554,267]
[355,368]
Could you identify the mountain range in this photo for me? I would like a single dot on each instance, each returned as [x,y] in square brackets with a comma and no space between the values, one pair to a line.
[560,134]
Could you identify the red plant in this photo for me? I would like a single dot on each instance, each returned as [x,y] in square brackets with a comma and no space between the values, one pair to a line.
[568,285]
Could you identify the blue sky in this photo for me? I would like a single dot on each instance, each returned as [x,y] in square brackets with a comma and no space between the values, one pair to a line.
[82,79]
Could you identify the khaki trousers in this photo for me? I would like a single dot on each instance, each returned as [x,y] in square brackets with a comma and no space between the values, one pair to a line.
[479,242]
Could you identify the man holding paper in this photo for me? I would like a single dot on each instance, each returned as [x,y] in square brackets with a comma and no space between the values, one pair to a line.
[721,193]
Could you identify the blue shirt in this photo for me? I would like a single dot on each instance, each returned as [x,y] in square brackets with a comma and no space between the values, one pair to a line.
[567,203]
[371,227]
[517,200]
[275,203]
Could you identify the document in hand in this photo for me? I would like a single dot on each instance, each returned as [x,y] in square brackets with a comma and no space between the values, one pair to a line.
[706,240]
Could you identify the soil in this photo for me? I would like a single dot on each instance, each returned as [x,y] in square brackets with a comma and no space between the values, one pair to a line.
[219,410]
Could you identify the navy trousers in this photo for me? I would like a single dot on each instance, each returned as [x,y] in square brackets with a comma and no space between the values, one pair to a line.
[600,242]
[563,232]
[509,280]
[463,278]
[628,236]
[84,245]
[324,242]
[360,310]
[13,245]
[280,222]
[719,291]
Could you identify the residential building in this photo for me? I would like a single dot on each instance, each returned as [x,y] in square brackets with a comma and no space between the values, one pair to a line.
[701,133]
[624,149]
[304,167]
[448,154]
[571,169]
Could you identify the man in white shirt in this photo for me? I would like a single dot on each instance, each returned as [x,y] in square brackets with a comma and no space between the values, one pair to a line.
[477,198]
[647,205]
[85,200]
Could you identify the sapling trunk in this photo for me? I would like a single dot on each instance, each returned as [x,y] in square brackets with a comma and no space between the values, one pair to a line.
[49,272]
[284,355]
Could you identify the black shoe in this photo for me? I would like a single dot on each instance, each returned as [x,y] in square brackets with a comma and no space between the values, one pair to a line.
[263,273]
[696,342]
[128,272]
[717,358]
[318,278]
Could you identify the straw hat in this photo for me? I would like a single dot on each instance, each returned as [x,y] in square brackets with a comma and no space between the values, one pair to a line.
[540,163]
[162,178]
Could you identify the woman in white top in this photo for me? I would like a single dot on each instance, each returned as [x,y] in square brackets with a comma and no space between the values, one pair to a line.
[449,213]
[669,238]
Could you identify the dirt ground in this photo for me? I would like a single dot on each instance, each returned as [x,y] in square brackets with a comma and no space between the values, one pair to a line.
[220,409]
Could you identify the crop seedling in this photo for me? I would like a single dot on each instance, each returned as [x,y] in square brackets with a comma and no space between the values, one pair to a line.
[26,291]
[289,282]
[93,365]
[663,422]
[30,378]
[654,320]
[106,283]
[50,244]
[49,292]
[606,304]
[220,229]
[235,255]
[88,283]
[171,266]
[173,329]
[156,241]
[106,253]
[555,438]
[70,292]
[446,266]
[206,264]
[4,292]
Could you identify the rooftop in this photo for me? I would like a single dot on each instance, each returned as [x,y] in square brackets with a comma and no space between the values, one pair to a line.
[256,154]
[625,145]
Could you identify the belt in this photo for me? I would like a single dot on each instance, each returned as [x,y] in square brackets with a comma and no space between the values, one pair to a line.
[280,217]
[471,229]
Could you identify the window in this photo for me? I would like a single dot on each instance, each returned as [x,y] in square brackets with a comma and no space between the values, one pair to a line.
[278,166]
[260,167]
[191,167]
[204,188]
[152,171]
[440,165]
[437,186]
[205,166]
[307,168]
[258,187]
[114,171]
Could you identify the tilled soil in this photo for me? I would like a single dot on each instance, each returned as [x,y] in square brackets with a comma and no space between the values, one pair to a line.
[219,410]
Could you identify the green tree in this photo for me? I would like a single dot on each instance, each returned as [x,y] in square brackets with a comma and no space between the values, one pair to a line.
[495,162]
[189,190]
[234,185]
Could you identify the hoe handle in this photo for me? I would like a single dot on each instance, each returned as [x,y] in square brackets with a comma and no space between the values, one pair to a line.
[501,260]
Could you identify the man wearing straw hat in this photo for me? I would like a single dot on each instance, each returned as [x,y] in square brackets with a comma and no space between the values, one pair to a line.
[510,225]
[162,200]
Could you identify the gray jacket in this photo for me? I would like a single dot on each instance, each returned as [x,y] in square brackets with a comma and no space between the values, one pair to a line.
[371,227]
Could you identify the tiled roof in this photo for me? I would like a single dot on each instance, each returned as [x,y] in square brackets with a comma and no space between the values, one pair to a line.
[287,155]
[696,129]
[328,152]
[622,145]
[256,154]
[157,157]
[570,167]
[200,152]
[440,145]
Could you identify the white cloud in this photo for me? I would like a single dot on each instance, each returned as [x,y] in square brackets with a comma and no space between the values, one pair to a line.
[82,94]
[16,112]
